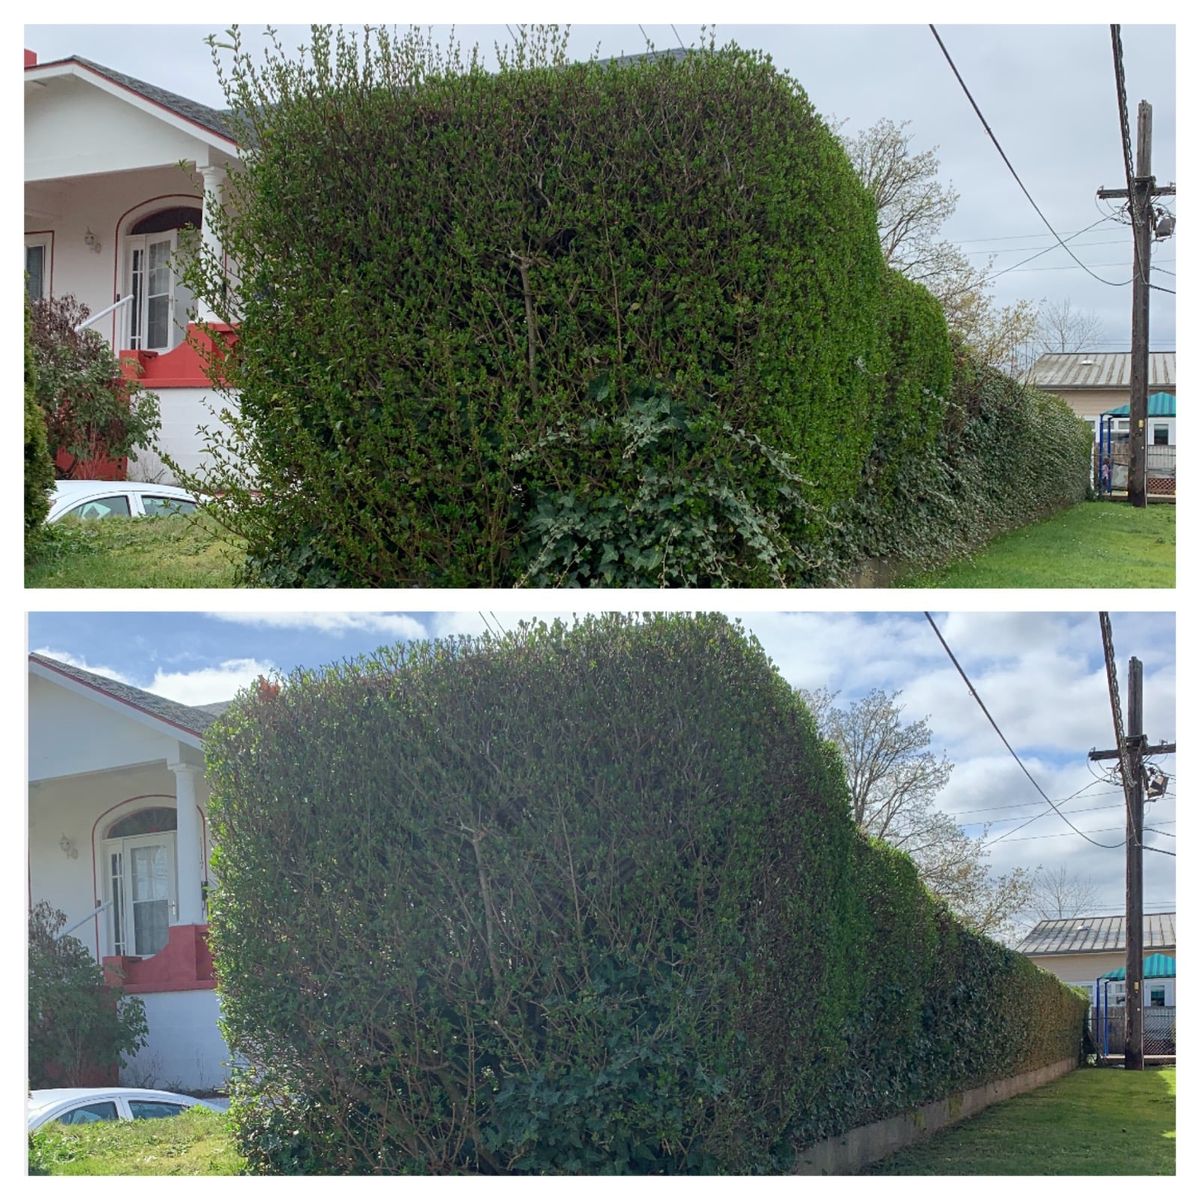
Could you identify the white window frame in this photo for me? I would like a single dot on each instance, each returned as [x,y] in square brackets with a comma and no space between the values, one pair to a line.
[139,315]
[122,900]
[46,242]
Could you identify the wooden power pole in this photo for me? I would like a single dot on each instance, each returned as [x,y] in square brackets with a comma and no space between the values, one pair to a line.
[1131,750]
[1141,209]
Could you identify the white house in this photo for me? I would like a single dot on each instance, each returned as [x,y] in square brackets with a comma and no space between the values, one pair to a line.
[115,168]
[118,840]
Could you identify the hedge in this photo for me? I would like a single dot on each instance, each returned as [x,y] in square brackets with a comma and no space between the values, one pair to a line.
[580,899]
[452,280]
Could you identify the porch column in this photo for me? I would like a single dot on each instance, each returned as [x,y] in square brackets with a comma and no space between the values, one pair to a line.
[187,845]
[214,194]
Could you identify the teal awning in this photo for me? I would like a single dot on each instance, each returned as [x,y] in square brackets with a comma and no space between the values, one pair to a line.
[1157,966]
[1158,404]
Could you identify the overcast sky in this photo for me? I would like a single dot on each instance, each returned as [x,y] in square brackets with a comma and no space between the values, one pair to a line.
[1048,93]
[1041,676]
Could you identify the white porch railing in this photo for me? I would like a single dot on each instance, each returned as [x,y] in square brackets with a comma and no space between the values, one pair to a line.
[121,308]
[62,933]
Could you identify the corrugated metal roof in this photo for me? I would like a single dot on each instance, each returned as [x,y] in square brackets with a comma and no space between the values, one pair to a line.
[1157,966]
[1093,935]
[195,720]
[1092,371]
[1158,404]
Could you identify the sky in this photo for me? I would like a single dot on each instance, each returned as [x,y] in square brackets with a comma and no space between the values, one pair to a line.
[1047,91]
[1041,676]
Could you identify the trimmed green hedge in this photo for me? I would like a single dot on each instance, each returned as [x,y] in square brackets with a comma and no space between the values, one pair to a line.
[578,900]
[452,280]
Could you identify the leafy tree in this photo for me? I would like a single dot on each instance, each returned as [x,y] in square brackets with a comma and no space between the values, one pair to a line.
[39,467]
[75,1019]
[894,780]
[91,411]
[911,206]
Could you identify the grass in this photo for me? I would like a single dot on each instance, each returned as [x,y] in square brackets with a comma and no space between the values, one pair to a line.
[1099,544]
[196,1142]
[142,552]
[1092,1122]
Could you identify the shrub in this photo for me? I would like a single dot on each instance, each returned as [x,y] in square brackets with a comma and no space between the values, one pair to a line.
[491,246]
[39,468]
[578,900]
[91,411]
[76,1022]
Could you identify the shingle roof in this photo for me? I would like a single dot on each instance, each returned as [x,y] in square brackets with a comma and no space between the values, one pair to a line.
[1087,935]
[194,720]
[212,119]
[1091,371]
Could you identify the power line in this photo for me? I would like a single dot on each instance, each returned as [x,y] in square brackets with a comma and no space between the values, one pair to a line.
[1126,141]
[678,39]
[1007,746]
[1011,168]
[1041,837]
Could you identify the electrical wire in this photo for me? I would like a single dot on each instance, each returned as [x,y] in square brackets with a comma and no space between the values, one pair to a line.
[1007,746]
[1008,164]
[1047,250]
[678,39]
[1041,837]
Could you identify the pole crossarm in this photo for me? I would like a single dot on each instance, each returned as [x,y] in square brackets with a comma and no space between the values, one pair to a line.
[1147,751]
[1123,193]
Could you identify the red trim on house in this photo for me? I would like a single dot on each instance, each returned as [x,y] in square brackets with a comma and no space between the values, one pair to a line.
[31,58]
[184,964]
[187,365]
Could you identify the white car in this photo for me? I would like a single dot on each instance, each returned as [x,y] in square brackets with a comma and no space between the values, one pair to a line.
[90,499]
[85,1106]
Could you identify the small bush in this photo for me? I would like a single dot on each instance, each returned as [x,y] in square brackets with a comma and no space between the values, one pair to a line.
[91,411]
[582,900]
[76,1023]
[39,467]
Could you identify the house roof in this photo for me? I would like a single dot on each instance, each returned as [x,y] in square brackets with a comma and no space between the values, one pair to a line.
[1095,935]
[191,718]
[1092,372]
[213,119]
[1158,404]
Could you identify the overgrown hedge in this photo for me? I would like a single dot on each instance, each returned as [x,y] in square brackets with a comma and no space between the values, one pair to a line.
[578,900]
[457,285]
[39,467]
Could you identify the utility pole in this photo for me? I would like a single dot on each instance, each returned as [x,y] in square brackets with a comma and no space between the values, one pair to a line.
[1140,192]
[1131,750]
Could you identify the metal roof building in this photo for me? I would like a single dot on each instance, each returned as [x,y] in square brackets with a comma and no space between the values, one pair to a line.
[1092,372]
[1096,935]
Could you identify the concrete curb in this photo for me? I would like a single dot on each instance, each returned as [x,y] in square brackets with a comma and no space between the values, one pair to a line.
[846,1153]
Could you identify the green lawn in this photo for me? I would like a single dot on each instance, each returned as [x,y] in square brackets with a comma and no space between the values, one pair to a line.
[142,552]
[1091,1122]
[1098,544]
[196,1142]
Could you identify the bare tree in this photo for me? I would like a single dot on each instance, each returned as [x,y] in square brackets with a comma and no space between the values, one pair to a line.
[911,206]
[1058,894]
[1062,329]
[894,780]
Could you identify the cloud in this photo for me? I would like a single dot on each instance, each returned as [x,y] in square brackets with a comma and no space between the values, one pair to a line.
[73,660]
[209,684]
[332,624]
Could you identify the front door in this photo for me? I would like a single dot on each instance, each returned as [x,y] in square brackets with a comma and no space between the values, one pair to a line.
[141,873]
[151,283]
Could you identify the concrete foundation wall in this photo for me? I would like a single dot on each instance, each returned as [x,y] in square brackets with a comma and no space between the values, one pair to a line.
[185,1051]
[848,1152]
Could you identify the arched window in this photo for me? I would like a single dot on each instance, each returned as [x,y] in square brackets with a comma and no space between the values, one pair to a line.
[161,302]
[139,857]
